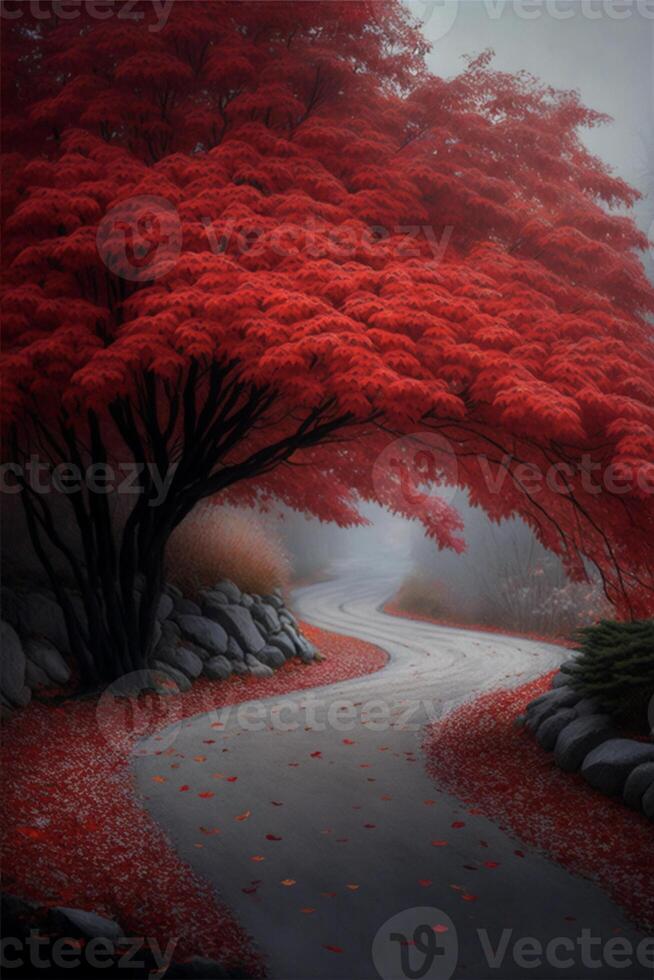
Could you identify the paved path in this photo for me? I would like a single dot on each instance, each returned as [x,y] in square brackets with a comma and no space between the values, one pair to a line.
[352,838]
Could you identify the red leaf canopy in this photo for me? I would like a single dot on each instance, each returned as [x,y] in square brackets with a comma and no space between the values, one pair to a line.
[336,228]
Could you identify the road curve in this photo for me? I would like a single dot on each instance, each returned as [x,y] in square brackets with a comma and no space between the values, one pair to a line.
[344,815]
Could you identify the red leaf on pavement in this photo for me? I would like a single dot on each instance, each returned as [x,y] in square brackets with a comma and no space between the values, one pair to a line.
[272,837]
[333,949]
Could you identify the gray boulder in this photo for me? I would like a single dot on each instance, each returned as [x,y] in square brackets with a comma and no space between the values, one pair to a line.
[87,923]
[588,706]
[173,591]
[647,803]
[23,697]
[45,656]
[41,615]
[182,659]
[579,738]
[559,680]
[209,596]
[292,634]
[35,676]
[238,667]
[12,662]
[266,617]
[247,600]
[550,729]
[165,606]
[608,766]
[186,607]
[205,632]
[182,681]
[228,589]
[545,705]
[218,668]
[256,668]
[234,652]
[286,616]
[568,666]
[306,649]
[638,782]
[284,643]
[9,606]
[238,622]
[272,599]
[272,656]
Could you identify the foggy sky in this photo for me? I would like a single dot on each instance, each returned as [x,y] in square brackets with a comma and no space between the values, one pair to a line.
[608,60]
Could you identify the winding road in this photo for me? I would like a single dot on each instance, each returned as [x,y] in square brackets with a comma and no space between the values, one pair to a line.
[344,814]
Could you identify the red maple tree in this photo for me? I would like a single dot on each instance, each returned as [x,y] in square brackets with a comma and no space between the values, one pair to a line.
[250,249]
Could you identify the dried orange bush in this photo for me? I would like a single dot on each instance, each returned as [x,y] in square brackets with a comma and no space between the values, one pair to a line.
[214,543]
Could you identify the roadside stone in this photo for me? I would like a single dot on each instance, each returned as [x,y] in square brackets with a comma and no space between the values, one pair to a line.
[588,706]
[35,676]
[87,923]
[218,668]
[284,643]
[306,649]
[638,782]
[173,591]
[12,663]
[228,588]
[266,617]
[568,666]
[247,600]
[272,656]
[234,651]
[579,738]
[545,705]
[272,599]
[238,622]
[559,680]
[9,606]
[47,657]
[256,668]
[23,697]
[182,659]
[608,766]
[182,681]
[39,614]
[165,606]
[648,803]
[549,730]
[209,596]
[205,632]
[292,634]
[186,607]
[287,616]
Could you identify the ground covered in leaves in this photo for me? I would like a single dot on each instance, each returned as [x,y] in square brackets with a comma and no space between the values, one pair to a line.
[74,833]
[479,755]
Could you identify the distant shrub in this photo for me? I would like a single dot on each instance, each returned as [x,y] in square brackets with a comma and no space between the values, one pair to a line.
[428,597]
[616,667]
[214,543]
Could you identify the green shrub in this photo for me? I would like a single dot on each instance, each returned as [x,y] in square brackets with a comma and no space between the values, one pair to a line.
[615,666]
